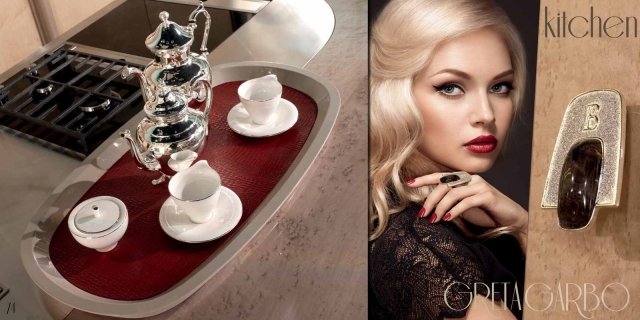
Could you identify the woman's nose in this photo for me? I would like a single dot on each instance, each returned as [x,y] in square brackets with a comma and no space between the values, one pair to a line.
[482,112]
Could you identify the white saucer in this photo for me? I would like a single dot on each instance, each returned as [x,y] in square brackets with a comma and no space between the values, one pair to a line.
[177,224]
[285,117]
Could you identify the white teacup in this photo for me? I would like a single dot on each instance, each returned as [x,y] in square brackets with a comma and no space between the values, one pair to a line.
[260,97]
[196,191]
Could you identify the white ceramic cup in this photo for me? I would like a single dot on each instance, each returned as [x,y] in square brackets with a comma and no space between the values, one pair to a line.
[196,191]
[260,97]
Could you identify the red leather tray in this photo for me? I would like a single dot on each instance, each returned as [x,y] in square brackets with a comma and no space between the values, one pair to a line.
[146,261]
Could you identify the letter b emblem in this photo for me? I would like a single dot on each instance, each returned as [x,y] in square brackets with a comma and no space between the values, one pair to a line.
[591,120]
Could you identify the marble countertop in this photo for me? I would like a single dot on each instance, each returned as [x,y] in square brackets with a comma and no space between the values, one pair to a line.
[308,262]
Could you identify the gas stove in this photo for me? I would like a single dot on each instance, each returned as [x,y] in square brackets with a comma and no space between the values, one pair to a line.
[69,101]
[73,98]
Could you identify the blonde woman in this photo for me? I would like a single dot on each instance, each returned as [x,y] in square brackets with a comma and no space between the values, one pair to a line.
[446,77]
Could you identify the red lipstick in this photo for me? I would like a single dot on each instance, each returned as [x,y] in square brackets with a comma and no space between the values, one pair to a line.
[482,144]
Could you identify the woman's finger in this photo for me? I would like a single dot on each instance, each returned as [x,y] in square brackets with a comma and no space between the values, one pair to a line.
[432,200]
[456,195]
[475,201]
[429,179]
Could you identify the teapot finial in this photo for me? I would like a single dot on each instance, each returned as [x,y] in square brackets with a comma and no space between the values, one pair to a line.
[164,16]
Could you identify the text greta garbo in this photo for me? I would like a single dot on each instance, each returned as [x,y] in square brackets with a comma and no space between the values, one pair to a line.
[585,298]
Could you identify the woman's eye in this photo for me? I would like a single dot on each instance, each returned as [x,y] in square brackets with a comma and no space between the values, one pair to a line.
[449,89]
[502,88]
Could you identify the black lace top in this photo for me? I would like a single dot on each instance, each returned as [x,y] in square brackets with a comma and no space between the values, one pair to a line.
[420,270]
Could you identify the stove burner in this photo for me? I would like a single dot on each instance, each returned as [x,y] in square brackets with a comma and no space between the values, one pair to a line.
[69,101]
[41,92]
[103,106]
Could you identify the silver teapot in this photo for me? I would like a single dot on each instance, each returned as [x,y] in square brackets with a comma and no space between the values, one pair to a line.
[170,126]
[175,65]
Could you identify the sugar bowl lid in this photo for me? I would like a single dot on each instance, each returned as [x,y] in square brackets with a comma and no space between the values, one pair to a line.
[97,217]
[169,35]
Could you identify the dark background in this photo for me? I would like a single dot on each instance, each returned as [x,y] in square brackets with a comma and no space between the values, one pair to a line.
[126,27]
[511,172]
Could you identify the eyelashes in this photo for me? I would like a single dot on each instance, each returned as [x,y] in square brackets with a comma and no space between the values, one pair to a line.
[453,90]
[449,90]
[504,87]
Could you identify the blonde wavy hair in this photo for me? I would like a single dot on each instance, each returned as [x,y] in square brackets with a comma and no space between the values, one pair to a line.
[403,40]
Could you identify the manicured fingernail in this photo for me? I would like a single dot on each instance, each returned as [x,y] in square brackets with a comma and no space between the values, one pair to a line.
[447,216]
[433,218]
[420,213]
[409,182]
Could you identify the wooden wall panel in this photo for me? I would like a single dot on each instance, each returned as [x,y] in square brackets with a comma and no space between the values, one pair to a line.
[605,258]
[68,13]
[18,33]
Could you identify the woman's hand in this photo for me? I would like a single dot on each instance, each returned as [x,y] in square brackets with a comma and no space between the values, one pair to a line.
[478,202]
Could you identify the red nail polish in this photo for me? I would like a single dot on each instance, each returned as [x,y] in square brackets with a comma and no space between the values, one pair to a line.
[420,213]
[447,216]
[433,218]
[409,182]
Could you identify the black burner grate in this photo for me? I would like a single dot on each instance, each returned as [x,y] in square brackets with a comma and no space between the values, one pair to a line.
[69,101]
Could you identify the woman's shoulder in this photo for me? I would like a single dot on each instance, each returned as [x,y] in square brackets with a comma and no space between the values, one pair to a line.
[417,236]
[423,270]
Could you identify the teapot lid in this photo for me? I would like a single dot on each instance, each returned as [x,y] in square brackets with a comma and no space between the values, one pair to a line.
[169,35]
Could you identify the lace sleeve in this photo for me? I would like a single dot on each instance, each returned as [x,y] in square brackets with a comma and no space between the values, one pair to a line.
[420,270]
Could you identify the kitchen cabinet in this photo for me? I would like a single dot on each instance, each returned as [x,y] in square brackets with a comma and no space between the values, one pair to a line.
[18,33]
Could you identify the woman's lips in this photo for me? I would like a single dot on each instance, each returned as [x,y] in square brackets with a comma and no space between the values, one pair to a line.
[482,144]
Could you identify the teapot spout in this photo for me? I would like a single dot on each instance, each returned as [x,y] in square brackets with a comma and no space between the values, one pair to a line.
[147,90]
[145,160]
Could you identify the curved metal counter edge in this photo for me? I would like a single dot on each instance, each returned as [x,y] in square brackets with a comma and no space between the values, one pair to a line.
[288,34]
[35,243]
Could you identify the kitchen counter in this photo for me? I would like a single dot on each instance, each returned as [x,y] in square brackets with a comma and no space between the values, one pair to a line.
[308,262]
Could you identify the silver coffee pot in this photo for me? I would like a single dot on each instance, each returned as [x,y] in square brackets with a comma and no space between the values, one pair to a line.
[170,126]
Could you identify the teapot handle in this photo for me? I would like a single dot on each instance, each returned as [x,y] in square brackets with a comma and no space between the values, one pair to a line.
[208,103]
[207,25]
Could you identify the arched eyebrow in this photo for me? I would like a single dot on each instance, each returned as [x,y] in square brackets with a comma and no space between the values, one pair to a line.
[456,72]
[466,76]
[503,74]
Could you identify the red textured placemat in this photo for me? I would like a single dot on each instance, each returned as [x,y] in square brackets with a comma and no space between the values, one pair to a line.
[146,261]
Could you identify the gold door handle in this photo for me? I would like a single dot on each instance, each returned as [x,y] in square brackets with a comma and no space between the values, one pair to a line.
[585,172]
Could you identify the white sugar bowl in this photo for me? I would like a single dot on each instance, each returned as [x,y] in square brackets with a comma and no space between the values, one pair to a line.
[99,223]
